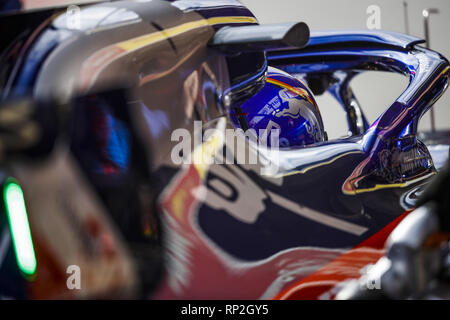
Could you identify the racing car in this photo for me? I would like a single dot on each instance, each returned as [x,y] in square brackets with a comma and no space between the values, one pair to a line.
[136,163]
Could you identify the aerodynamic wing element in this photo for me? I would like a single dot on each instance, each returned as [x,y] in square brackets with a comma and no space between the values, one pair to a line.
[261,37]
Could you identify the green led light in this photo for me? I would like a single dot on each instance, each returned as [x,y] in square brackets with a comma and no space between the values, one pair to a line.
[20,228]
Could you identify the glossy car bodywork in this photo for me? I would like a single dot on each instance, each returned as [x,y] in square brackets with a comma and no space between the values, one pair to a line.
[232,230]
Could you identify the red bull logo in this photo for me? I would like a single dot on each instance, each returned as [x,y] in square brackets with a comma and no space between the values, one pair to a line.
[296,107]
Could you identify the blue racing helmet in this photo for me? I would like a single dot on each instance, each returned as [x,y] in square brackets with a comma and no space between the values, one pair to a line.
[284,103]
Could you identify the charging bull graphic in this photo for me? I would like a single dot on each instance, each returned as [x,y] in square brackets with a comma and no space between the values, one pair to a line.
[295,105]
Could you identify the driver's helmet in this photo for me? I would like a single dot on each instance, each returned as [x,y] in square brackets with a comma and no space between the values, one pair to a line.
[284,103]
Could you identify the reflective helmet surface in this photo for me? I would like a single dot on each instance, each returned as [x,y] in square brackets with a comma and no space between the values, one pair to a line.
[287,104]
